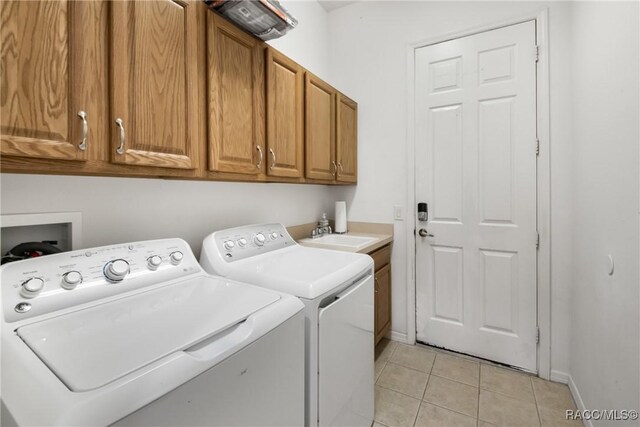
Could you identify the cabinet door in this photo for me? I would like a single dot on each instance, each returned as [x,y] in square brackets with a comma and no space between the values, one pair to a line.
[347,140]
[153,83]
[383,301]
[320,129]
[284,116]
[41,93]
[236,99]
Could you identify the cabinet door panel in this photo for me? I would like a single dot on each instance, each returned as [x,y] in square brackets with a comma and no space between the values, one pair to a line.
[40,95]
[284,116]
[347,140]
[236,99]
[383,301]
[154,85]
[320,155]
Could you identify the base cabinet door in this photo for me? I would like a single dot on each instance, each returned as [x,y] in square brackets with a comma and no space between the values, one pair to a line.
[236,99]
[382,302]
[320,129]
[42,102]
[347,140]
[154,83]
[285,118]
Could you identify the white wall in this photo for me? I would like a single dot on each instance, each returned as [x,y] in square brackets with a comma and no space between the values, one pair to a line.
[605,315]
[126,209]
[369,43]
[310,39]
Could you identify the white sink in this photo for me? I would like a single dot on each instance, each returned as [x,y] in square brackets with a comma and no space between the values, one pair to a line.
[343,242]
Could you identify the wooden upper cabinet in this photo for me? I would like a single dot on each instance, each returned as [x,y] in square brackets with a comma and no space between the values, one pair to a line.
[236,99]
[285,118]
[154,83]
[41,92]
[347,140]
[320,129]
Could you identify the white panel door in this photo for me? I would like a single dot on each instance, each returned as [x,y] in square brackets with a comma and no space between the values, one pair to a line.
[476,169]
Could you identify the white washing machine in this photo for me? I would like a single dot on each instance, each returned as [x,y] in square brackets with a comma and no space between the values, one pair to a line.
[138,334]
[337,291]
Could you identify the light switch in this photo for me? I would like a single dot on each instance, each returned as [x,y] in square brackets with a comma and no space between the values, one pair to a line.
[398,213]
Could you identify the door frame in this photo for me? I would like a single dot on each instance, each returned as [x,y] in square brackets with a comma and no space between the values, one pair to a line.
[543,269]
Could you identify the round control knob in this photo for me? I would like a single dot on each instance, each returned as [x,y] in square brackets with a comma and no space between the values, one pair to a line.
[153,262]
[273,236]
[242,242]
[116,270]
[31,287]
[259,239]
[176,257]
[71,279]
[228,245]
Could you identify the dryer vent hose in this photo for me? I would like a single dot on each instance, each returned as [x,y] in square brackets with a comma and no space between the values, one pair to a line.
[29,250]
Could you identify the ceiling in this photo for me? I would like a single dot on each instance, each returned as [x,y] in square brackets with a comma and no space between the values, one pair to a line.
[330,5]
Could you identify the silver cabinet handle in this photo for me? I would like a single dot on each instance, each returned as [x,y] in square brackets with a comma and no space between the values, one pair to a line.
[273,158]
[120,123]
[424,233]
[85,130]
[334,167]
[340,168]
[260,157]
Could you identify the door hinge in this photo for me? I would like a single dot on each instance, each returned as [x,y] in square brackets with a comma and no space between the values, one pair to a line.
[537,147]
[537,240]
[537,335]
[537,53]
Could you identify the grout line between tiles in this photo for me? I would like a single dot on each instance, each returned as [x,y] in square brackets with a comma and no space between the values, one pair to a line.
[415,417]
[455,381]
[399,392]
[535,399]
[407,367]
[448,409]
[384,365]
[424,392]
[508,395]
[478,411]
[393,350]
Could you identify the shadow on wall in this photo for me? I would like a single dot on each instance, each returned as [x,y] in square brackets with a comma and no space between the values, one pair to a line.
[347,194]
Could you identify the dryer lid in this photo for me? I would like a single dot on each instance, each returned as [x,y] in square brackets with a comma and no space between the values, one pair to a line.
[90,348]
[301,271]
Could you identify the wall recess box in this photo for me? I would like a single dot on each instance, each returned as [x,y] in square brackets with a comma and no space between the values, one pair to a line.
[63,227]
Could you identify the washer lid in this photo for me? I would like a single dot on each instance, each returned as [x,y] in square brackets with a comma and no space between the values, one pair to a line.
[89,348]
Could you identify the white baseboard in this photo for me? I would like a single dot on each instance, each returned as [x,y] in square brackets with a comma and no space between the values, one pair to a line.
[559,377]
[578,399]
[400,337]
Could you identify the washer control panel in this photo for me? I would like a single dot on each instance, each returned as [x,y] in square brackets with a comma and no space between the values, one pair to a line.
[244,242]
[54,282]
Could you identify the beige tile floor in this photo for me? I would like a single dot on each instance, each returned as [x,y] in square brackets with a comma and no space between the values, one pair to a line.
[423,387]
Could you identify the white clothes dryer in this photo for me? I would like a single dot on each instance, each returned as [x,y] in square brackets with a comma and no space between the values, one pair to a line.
[138,334]
[337,291]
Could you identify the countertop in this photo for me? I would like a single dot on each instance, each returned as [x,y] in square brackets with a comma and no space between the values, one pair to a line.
[382,232]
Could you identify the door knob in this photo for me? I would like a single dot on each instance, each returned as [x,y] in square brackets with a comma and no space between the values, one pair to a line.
[424,233]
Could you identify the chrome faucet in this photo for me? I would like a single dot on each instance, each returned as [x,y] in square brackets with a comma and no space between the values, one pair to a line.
[322,228]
